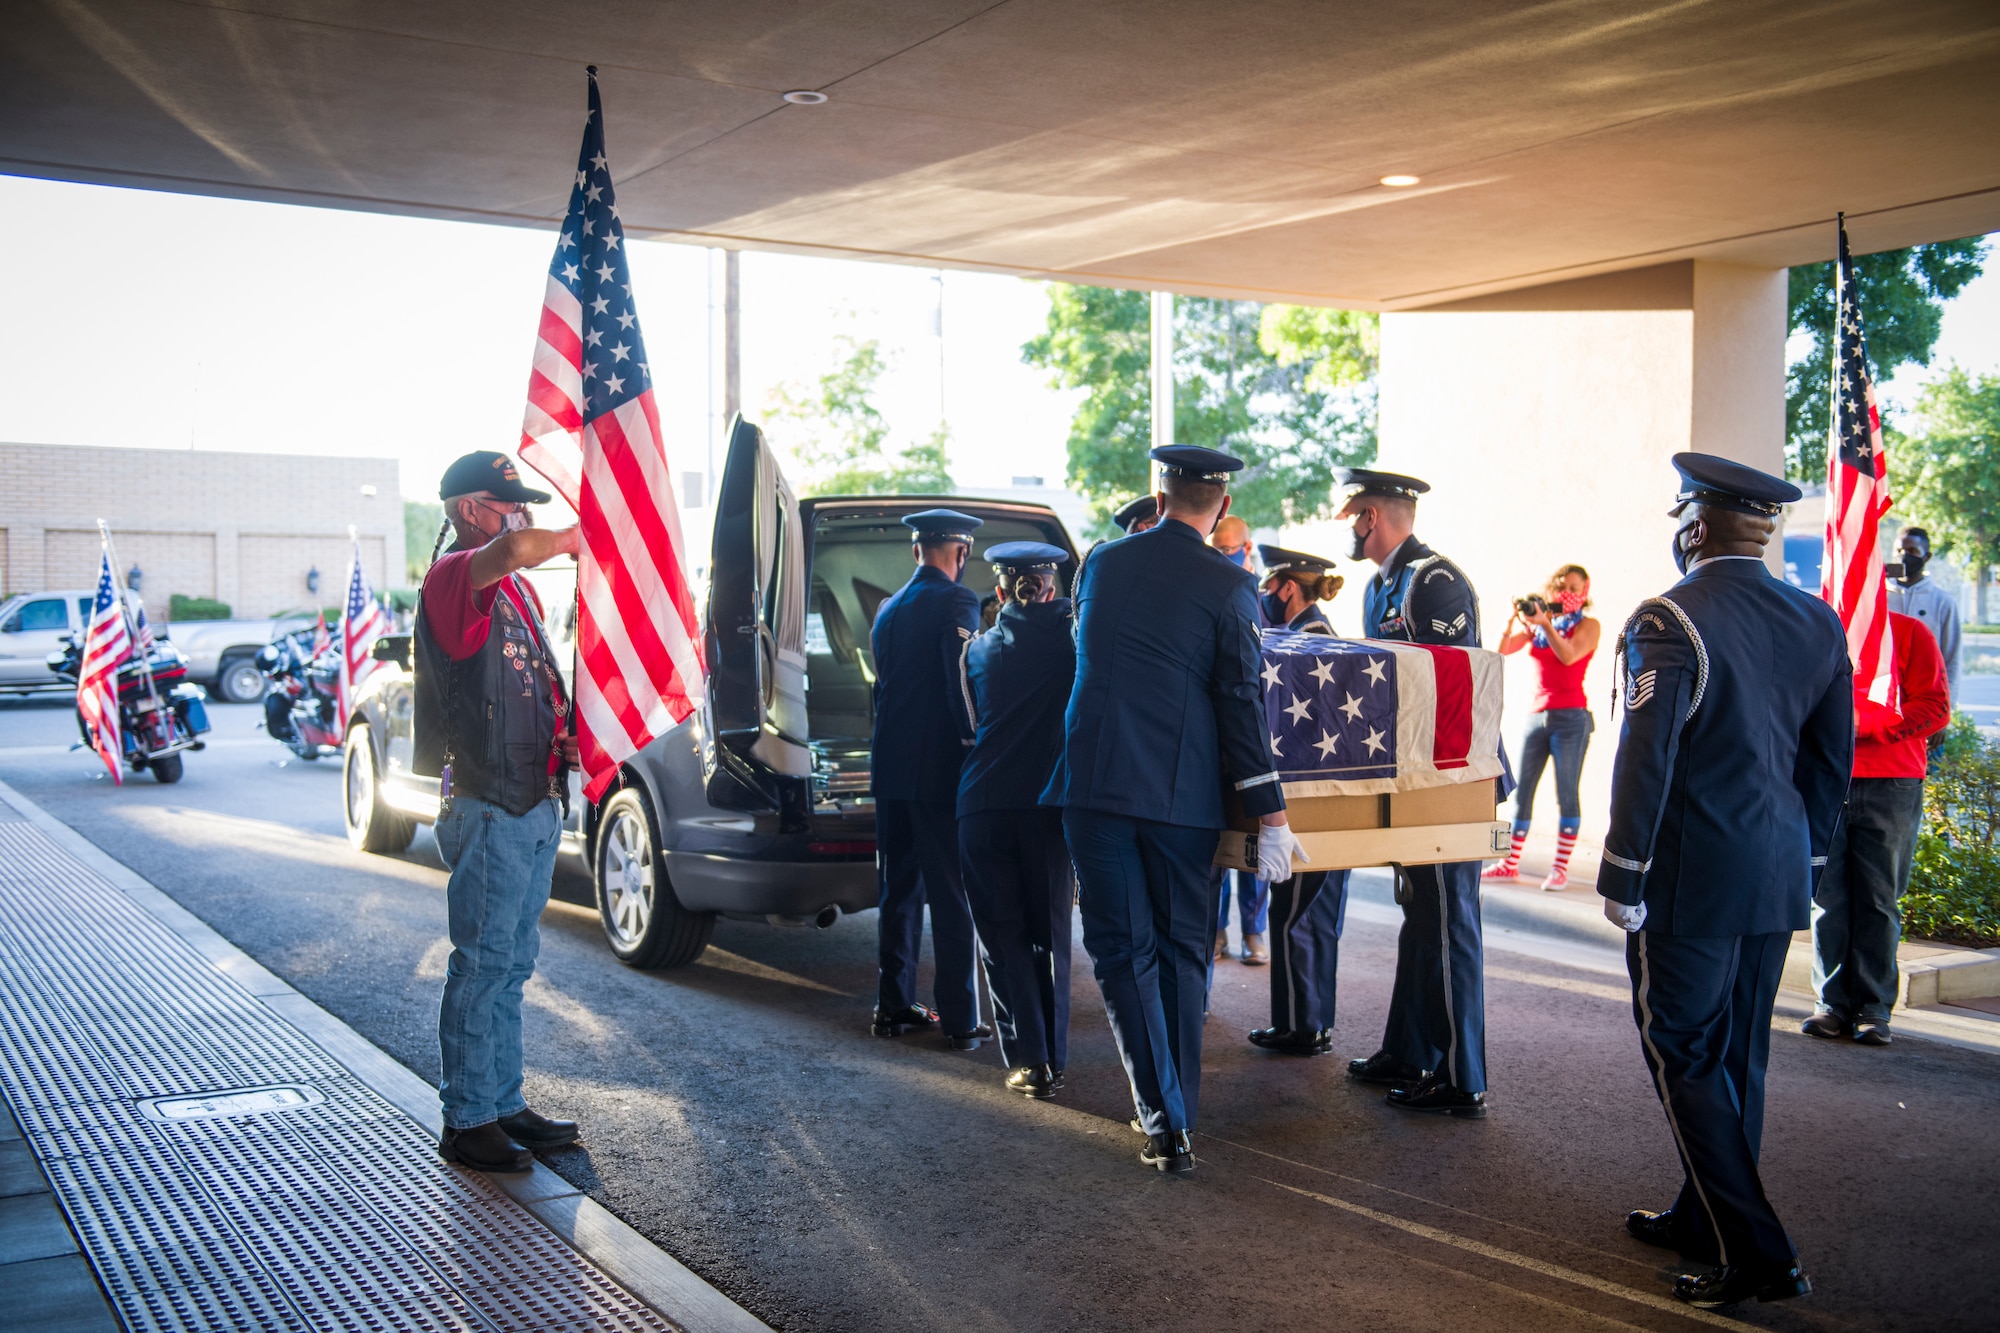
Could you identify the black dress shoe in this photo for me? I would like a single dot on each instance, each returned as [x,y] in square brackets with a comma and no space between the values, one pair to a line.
[1652,1228]
[1872,1031]
[896,1022]
[1037,1081]
[1056,1079]
[1437,1097]
[1168,1152]
[969,1041]
[1828,1023]
[1306,1042]
[537,1132]
[486,1148]
[1726,1286]
[1385,1069]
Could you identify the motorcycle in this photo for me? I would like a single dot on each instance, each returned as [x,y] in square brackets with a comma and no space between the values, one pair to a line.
[302,706]
[160,713]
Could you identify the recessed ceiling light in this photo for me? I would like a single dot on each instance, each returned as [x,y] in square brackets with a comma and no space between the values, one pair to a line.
[1398,182]
[805,97]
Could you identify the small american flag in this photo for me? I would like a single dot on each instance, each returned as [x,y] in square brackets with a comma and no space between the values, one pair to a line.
[107,642]
[362,621]
[1857,495]
[592,429]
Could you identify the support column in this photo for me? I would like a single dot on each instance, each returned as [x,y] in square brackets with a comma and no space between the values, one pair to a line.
[1544,420]
[1162,339]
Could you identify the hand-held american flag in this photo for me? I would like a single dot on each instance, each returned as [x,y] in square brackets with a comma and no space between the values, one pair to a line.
[1857,496]
[591,428]
[362,621]
[106,644]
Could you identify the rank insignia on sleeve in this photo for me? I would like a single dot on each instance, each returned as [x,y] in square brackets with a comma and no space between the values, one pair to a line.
[1638,690]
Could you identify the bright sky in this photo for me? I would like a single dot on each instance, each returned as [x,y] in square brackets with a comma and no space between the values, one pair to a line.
[173,321]
[144,319]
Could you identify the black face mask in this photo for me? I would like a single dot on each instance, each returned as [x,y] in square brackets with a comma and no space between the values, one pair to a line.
[1275,610]
[1913,567]
[1682,555]
[1357,539]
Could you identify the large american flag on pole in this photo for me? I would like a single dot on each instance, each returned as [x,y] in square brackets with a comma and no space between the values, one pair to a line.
[592,429]
[107,642]
[1857,497]
[1357,717]
[362,622]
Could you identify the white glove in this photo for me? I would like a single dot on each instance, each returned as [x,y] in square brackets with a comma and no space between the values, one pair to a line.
[1276,846]
[1627,919]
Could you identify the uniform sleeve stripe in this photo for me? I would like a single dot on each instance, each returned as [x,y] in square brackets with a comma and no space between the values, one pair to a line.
[1819,860]
[1256,781]
[1635,867]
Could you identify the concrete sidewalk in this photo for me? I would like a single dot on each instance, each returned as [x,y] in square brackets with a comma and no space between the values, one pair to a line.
[225,1154]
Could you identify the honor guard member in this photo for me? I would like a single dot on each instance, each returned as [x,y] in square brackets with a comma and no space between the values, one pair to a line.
[1309,910]
[1433,1055]
[1732,769]
[1141,515]
[1015,682]
[1166,715]
[918,635]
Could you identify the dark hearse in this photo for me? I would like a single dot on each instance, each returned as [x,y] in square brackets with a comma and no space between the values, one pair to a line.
[757,807]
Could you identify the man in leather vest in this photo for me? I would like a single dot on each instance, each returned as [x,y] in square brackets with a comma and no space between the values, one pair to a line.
[491,724]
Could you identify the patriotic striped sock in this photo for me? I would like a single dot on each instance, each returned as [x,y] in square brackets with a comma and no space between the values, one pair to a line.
[1512,864]
[1565,845]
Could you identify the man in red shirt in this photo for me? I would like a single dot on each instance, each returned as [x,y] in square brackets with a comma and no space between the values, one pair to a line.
[490,725]
[1856,924]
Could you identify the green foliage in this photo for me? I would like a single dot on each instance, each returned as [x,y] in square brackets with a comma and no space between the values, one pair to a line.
[1947,473]
[1289,390]
[182,607]
[1955,885]
[421,521]
[1900,292]
[840,437]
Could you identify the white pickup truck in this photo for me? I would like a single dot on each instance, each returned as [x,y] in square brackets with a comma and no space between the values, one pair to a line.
[221,653]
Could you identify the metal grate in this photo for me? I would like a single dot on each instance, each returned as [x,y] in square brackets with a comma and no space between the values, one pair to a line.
[333,1214]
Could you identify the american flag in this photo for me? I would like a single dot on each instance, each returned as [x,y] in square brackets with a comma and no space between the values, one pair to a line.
[1857,494]
[107,642]
[1351,718]
[591,428]
[362,621]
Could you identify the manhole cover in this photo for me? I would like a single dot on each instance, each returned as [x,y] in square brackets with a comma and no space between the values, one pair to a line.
[235,1101]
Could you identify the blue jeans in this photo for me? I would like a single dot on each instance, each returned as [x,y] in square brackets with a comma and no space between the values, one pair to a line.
[1253,902]
[501,865]
[1562,734]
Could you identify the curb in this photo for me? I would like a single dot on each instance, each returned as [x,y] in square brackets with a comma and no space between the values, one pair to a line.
[649,1273]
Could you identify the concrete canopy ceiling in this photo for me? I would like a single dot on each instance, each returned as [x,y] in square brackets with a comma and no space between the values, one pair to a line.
[1200,147]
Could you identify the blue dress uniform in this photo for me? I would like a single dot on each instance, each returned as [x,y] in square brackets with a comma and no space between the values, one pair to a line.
[1437,1008]
[1016,680]
[1309,910]
[1732,769]
[1167,709]
[918,635]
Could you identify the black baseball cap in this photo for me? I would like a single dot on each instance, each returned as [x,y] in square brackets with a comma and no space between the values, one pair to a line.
[491,472]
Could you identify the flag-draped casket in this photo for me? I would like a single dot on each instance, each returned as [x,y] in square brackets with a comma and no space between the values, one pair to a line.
[1388,752]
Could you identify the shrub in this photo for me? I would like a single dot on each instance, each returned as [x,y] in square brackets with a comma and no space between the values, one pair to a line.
[181,607]
[1955,887]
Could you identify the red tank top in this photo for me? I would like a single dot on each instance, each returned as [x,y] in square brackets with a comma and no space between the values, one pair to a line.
[1556,685]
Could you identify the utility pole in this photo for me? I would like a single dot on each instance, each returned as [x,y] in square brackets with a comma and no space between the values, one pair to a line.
[1163,374]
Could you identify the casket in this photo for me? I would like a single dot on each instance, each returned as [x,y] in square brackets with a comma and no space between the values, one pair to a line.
[1389,753]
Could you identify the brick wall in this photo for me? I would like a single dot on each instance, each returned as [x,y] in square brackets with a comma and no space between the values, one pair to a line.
[242,528]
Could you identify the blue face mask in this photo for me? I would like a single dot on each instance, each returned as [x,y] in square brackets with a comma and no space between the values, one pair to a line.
[1275,609]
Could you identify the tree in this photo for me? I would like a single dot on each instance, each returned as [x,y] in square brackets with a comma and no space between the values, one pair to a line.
[1947,474]
[840,438]
[1287,390]
[421,521]
[1900,293]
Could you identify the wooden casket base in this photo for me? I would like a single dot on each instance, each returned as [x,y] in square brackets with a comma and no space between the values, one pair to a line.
[1453,822]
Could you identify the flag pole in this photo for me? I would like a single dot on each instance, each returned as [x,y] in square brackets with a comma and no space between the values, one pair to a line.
[144,659]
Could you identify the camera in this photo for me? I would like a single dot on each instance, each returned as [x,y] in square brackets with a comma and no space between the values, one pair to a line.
[1531,605]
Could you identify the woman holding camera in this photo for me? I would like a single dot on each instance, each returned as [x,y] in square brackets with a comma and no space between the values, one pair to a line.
[1560,639]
